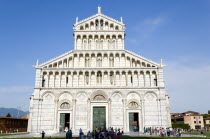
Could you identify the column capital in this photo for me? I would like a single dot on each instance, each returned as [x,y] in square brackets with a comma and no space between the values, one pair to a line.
[56,100]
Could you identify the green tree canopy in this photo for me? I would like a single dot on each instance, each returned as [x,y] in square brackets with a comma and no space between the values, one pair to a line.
[8,115]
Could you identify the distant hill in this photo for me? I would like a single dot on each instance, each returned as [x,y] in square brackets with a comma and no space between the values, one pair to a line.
[12,111]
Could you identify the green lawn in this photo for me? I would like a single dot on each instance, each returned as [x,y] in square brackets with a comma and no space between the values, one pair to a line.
[9,134]
[198,133]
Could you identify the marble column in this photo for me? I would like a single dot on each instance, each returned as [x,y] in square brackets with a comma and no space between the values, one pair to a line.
[56,115]
[88,114]
[143,113]
[124,115]
[74,114]
[109,113]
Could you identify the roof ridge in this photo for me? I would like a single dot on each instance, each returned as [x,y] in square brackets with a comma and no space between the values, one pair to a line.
[143,57]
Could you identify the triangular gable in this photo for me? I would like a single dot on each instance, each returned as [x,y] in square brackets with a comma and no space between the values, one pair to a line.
[56,59]
[98,15]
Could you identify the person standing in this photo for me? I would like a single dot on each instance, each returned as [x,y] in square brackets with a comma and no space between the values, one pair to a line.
[134,128]
[80,132]
[89,135]
[70,134]
[67,135]
[43,134]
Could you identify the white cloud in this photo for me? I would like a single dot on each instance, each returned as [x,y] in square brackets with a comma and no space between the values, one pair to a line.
[143,29]
[16,89]
[154,21]
[188,86]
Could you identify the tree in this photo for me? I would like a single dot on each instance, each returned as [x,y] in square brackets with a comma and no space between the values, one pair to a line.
[208,111]
[8,115]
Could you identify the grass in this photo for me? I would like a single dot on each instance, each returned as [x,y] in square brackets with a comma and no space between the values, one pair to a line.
[198,133]
[9,134]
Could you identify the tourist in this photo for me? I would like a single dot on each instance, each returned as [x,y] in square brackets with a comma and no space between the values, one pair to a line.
[43,134]
[201,132]
[162,132]
[179,132]
[66,129]
[70,134]
[171,130]
[150,130]
[134,128]
[168,132]
[82,136]
[89,135]
[67,135]
[80,132]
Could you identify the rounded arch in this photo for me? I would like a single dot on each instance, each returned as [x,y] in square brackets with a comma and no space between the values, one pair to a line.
[65,104]
[48,92]
[134,93]
[99,92]
[150,95]
[81,27]
[63,92]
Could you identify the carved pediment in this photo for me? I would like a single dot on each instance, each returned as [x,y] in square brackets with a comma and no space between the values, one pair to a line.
[99,22]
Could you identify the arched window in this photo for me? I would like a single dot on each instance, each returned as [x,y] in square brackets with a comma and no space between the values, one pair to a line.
[84,44]
[87,62]
[133,104]
[99,62]
[99,78]
[65,105]
[111,78]
[99,98]
[113,44]
[111,59]
[87,79]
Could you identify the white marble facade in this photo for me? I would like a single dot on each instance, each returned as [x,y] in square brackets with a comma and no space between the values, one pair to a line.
[98,72]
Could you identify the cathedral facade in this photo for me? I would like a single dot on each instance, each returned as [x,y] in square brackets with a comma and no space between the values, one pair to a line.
[98,84]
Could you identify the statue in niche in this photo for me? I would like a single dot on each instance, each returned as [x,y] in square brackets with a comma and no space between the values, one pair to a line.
[65,105]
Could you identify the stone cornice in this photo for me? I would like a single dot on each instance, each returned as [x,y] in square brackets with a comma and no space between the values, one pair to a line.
[98,87]
[101,68]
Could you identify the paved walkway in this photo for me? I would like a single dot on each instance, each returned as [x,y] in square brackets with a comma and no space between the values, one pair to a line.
[62,134]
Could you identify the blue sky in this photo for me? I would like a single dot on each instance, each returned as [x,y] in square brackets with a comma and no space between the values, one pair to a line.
[177,31]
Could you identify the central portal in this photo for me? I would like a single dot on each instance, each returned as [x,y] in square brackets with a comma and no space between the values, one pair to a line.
[99,118]
[133,121]
[64,121]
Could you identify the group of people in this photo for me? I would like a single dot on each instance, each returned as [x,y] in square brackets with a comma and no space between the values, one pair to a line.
[111,133]
[102,134]
[159,131]
[69,134]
